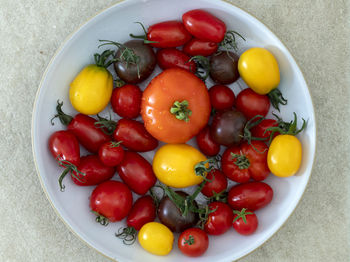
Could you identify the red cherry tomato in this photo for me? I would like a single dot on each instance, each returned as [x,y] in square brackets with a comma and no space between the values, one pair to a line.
[193,242]
[95,171]
[259,130]
[221,97]
[111,153]
[252,104]
[243,162]
[136,172]
[206,144]
[134,136]
[220,220]
[204,25]
[200,47]
[142,212]
[168,34]
[171,57]
[217,184]
[112,200]
[126,101]
[245,222]
[252,195]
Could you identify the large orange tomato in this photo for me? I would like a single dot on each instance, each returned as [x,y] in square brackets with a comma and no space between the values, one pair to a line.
[175,106]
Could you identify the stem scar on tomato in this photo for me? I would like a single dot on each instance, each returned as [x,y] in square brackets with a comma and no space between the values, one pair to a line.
[241,160]
[241,214]
[181,110]
[190,241]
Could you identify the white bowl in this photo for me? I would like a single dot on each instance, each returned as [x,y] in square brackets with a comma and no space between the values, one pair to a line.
[116,23]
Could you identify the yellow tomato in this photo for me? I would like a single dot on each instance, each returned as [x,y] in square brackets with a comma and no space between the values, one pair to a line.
[284,155]
[173,164]
[156,238]
[259,69]
[91,90]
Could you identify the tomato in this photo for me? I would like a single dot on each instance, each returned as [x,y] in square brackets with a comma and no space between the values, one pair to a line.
[91,89]
[259,69]
[245,222]
[206,143]
[142,212]
[217,184]
[95,171]
[204,25]
[126,101]
[252,104]
[112,200]
[168,34]
[196,47]
[220,220]
[243,162]
[259,130]
[193,242]
[156,238]
[221,97]
[251,195]
[284,156]
[134,136]
[136,172]
[224,67]
[170,110]
[111,153]
[173,164]
[171,57]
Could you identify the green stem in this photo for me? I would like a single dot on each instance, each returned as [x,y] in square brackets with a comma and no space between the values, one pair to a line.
[104,221]
[241,161]
[101,60]
[64,118]
[181,111]
[128,234]
[277,98]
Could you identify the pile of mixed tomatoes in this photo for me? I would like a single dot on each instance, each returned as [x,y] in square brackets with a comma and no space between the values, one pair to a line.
[175,107]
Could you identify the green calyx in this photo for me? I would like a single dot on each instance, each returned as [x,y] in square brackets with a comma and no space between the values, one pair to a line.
[241,161]
[229,41]
[241,214]
[128,234]
[115,144]
[69,168]
[144,36]
[102,60]
[190,240]
[276,98]
[203,66]
[287,128]
[101,219]
[107,125]
[202,170]
[64,118]
[181,110]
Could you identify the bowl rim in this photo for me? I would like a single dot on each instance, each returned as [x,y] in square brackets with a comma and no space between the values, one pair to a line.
[59,49]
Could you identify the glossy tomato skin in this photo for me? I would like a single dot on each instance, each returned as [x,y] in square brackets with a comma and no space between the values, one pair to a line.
[204,25]
[142,212]
[220,220]
[111,199]
[134,136]
[168,34]
[193,242]
[224,67]
[252,104]
[259,130]
[136,172]
[88,135]
[126,101]
[217,183]
[247,228]
[200,47]
[251,195]
[206,143]
[256,169]
[64,146]
[172,58]
[111,153]
[221,97]
[95,171]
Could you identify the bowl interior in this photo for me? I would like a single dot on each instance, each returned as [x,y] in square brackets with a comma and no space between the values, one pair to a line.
[116,23]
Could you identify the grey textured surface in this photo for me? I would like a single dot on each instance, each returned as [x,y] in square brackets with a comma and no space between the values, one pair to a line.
[317,34]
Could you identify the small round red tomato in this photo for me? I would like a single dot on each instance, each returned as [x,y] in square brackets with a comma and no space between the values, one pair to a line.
[221,97]
[112,200]
[126,101]
[252,104]
[142,212]
[172,58]
[243,162]
[204,25]
[245,222]
[193,242]
[252,195]
[217,184]
[196,47]
[259,130]
[111,153]
[168,34]
[220,220]
[206,144]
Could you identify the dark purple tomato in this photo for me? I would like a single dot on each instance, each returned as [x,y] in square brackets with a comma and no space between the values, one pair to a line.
[224,67]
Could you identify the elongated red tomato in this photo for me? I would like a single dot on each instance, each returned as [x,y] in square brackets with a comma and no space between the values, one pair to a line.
[206,143]
[168,34]
[200,47]
[252,104]
[111,153]
[126,101]
[172,58]
[142,212]
[136,172]
[204,25]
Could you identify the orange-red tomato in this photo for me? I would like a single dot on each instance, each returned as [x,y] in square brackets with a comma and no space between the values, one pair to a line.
[184,92]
